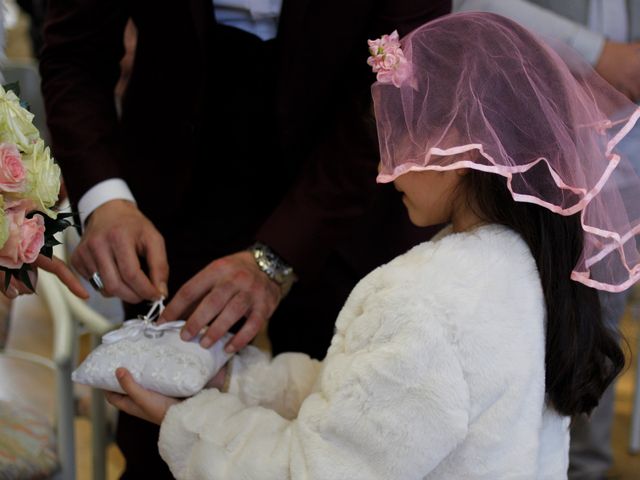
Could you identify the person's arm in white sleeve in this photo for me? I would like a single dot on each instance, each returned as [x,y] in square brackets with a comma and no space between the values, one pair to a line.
[389,409]
[545,23]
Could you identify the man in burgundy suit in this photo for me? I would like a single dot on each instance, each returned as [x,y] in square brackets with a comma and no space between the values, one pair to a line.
[233,131]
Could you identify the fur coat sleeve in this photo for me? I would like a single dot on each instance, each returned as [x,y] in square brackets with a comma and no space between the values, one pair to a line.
[280,384]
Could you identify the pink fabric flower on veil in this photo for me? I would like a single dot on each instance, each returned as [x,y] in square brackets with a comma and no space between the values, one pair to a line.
[388,61]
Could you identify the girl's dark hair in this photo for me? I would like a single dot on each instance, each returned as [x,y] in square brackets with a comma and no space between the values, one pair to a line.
[582,355]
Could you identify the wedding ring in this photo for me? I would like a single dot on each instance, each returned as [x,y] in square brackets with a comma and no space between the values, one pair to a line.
[96,281]
[150,333]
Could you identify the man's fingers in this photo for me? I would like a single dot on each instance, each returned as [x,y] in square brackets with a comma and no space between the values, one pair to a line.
[105,263]
[57,267]
[114,285]
[248,332]
[131,272]
[158,264]
[233,311]
[208,309]
[189,294]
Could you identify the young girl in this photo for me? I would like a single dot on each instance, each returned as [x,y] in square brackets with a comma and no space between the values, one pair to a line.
[466,357]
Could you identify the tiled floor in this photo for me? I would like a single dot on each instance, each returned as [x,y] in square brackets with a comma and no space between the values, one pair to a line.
[31,330]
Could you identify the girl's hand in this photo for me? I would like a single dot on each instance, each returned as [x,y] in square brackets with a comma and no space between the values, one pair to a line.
[138,401]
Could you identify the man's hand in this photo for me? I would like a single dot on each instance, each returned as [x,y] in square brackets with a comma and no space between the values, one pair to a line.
[619,64]
[116,235]
[138,401]
[225,290]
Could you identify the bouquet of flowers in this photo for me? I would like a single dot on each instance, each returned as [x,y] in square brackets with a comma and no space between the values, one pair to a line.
[29,187]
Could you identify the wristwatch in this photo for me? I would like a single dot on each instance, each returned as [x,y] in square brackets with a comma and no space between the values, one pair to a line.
[273,266]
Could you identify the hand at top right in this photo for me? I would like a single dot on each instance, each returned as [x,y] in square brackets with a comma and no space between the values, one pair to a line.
[116,235]
[619,64]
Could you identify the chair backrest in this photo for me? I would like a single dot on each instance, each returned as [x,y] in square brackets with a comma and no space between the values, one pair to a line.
[98,315]
[32,370]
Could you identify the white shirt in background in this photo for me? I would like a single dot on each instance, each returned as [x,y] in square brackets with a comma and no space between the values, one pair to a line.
[610,18]
[259,17]
[610,22]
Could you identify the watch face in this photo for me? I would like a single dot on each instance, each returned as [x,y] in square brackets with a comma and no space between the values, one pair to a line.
[271,264]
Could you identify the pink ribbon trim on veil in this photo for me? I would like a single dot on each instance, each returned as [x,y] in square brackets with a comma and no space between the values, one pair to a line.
[586,196]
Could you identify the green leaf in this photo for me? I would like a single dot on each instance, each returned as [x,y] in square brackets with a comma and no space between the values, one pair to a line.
[13,87]
[23,276]
[7,279]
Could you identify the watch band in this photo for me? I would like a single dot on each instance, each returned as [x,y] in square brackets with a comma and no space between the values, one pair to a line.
[273,266]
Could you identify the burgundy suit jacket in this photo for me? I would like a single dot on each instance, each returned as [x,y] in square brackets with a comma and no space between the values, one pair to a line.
[325,207]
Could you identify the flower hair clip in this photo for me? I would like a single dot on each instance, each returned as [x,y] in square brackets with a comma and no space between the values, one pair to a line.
[388,61]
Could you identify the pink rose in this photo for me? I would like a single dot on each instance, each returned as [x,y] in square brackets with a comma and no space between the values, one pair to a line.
[26,236]
[12,171]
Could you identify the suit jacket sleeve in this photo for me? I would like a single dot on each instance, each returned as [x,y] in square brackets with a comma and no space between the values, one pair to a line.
[337,182]
[80,67]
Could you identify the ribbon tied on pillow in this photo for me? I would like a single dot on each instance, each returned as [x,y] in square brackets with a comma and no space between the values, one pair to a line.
[144,326]
[134,329]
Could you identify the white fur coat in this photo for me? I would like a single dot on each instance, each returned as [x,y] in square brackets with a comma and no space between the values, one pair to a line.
[436,371]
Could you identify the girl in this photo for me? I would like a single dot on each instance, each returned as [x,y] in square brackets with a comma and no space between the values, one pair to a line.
[466,357]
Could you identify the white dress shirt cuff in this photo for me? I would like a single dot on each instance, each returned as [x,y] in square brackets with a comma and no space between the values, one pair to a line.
[101,193]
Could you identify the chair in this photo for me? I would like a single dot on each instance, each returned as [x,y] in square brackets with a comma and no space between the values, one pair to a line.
[97,325]
[40,445]
[45,446]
